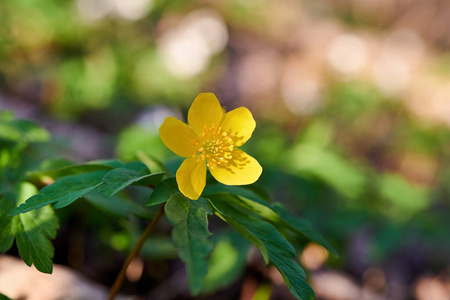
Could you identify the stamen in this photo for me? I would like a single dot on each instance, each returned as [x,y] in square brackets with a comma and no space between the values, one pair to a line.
[215,146]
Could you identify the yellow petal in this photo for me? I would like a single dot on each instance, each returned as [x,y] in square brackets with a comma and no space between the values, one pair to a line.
[178,137]
[205,111]
[241,169]
[191,177]
[240,122]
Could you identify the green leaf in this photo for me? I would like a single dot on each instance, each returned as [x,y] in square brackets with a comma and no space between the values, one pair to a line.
[31,230]
[7,203]
[190,234]
[273,246]
[279,216]
[63,191]
[118,179]
[163,192]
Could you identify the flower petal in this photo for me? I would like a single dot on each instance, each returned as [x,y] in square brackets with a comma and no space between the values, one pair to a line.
[240,122]
[205,111]
[241,169]
[191,177]
[178,137]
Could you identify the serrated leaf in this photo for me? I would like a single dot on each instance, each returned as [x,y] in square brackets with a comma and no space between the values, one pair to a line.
[118,179]
[63,191]
[163,191]
[279,216]
[277,249]
[190,234]
[32,230]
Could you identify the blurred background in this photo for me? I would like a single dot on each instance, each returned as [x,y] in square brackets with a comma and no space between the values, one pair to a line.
[351,99]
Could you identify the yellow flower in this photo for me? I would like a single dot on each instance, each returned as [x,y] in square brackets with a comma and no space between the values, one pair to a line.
[211,139]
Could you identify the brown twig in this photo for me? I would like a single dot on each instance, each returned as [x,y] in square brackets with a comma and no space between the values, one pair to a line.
[119,280]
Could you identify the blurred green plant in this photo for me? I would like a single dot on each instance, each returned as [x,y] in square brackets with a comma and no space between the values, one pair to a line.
[32,230]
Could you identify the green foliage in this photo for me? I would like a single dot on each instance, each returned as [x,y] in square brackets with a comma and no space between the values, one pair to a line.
[279,216]
[118,179]
[68,189]
[190,220]
[31,230]
[33,221]
[273,246]
[63,192]
[246,216]
[27,217]
[190,235]
[163,192]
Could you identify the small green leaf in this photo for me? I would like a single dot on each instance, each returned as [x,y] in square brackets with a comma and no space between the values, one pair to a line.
[166,189]
[63,191]
[190,234]
[32,230]
[118,179]
[266,237]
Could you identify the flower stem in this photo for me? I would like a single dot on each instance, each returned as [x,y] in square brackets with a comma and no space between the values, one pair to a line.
[120,277]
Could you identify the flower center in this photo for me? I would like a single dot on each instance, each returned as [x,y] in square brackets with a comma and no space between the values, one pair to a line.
[215,145]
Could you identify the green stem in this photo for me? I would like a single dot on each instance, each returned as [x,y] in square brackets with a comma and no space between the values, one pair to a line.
[119,280]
